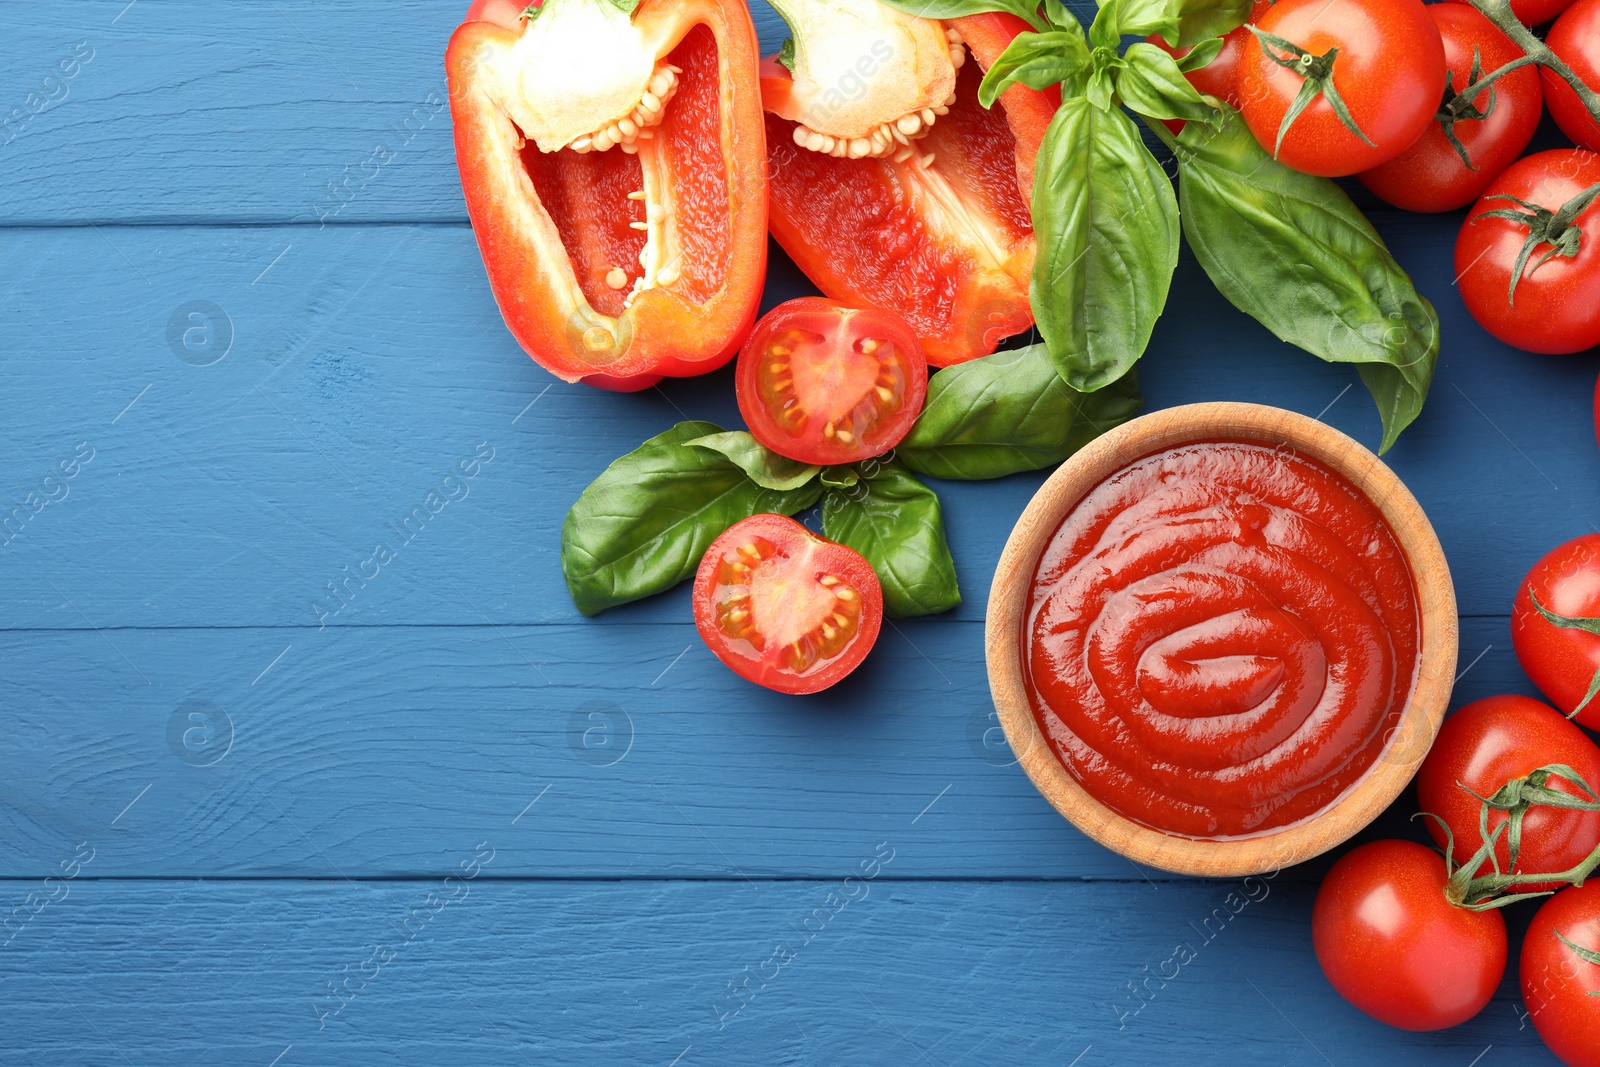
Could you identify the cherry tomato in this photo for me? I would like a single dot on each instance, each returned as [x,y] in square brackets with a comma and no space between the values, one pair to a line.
[1430,176]
[1220,77]
[1556,306]
[1487,744]
[1561,661]
[1576,39]
[1388,71]
[1393,946]
[1559,982]
[1538,12]
[823,383]
[785,608]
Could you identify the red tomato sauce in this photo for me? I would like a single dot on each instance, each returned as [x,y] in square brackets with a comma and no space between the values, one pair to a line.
[1217,636]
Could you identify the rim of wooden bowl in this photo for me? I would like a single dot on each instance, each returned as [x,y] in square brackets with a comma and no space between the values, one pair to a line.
[1410,735]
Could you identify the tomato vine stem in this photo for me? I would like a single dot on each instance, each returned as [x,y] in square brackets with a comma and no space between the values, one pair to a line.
[1499,12]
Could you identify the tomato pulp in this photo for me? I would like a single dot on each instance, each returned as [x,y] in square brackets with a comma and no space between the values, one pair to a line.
[823,383]
[1216,637]
[785,608]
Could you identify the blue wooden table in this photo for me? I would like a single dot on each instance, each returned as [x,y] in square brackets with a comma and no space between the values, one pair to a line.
[440,817]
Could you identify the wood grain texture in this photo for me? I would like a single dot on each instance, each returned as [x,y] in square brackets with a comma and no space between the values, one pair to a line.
[593,973]
[368,751]
[368,360]
[177,573]
[1408,735]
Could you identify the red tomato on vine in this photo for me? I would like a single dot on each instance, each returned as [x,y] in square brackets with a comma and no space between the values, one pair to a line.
[1528,257]
[1560,971]
[1576,39]
[1559,646]
[1393,946]
[1336,87]
[1503,747]
[1473,138]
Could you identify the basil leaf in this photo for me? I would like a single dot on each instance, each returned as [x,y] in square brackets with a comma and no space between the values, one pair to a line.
[760,464]
[894,520]
[1037,60]
[642,526]
[1009,412]
[1201,55]
[955,9]
[1292,251]
[1106,223]
[839,477]
[1183,22]
[1105,31]
[1153,85]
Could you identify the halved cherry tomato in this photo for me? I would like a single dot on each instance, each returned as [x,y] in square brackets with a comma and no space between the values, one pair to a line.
[1555,307]
[1562,661]
[1388,71]
[1576,39]
[785,608]
[1560,972]
[1491,742]
[823,383]
[1430,175]
[1393,946]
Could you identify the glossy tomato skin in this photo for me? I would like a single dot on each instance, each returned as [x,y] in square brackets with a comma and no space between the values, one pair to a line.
[1576,39]
[1392,945]
[1485,745]
[505,13]
[1538,12]
[1389,72]
[1561,662]
[1557,309]
[821,382]
[1556,981]
[785,608]
[1429,176]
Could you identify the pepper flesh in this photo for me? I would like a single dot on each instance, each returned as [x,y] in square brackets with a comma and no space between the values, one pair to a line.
[939,231]
[629,250]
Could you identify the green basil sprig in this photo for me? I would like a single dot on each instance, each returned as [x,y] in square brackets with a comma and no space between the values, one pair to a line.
[643,525]
[1293,252]
[760,464]
[894,520]
[1106,223]
[1288,249]
[1009,412]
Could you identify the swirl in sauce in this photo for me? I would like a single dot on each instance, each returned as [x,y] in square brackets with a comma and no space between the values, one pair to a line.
[1215,637]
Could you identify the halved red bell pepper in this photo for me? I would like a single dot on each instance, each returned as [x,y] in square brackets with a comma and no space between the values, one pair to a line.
[946,242]
[614,166]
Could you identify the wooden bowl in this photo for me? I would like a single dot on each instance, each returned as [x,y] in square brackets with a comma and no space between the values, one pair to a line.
[1410,732]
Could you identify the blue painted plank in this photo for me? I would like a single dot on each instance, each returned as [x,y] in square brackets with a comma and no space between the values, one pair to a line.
[293,111]
[873,972]
[367,362]
[370,752]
